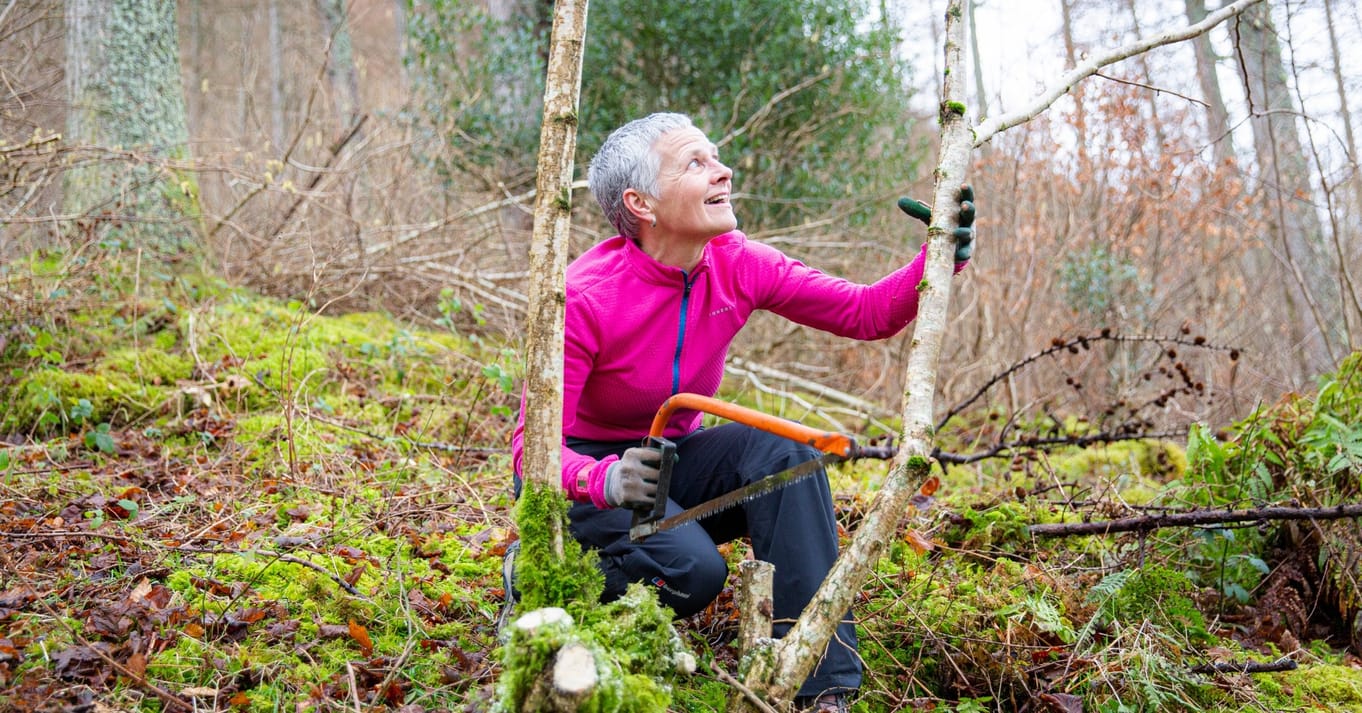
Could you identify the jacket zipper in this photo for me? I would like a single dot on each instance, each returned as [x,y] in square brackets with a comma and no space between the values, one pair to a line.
[681,332]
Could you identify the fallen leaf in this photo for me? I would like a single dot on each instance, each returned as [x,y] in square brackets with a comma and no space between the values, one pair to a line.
[361,637]
[918,541]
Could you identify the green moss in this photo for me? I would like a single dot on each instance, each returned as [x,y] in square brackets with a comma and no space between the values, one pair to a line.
[42,399]
[1313,685]
[544,580]
[957,108]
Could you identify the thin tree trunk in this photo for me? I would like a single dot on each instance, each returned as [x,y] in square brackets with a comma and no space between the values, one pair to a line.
[1308,278]
[548,256]
[1217,115]
[276,51]
[1353,316]
[340,67]
[779,674]
[980,95]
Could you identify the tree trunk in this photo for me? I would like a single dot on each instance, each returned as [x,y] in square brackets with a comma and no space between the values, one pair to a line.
[1217,116]
[123,84]
[1353,320]
[1310,289]
[340,66]
[548,257]
[276,78]
[780,675]
[980,95]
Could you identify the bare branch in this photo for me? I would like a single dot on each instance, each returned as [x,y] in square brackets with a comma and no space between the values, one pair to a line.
[1194,518]
[987,128]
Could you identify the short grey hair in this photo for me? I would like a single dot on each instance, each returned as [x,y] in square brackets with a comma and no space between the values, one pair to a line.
[627,160]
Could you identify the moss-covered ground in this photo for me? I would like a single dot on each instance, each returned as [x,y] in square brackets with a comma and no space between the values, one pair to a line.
[211,500]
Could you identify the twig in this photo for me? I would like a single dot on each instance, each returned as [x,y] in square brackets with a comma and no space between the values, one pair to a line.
[746,692]
[1047,441]
[1192,518]
[349,588]
[170,700]
[1284,663]
[1079,342]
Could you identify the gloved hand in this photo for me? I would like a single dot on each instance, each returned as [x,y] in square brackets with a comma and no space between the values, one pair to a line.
[964,235]
[631,481]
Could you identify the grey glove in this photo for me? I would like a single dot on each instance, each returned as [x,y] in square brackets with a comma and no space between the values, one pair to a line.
[964,235]
[631,481]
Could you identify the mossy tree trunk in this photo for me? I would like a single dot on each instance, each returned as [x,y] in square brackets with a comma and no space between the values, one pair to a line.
[551,568]
[548,262]
[776,674]
[127,104]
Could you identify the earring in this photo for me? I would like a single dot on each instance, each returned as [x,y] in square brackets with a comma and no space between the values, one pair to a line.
[654,222]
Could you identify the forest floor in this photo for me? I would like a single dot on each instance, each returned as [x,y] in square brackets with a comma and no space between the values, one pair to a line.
[215,501]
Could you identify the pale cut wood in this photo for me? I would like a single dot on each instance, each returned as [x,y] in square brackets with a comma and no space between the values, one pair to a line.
[755,602]
[574,676]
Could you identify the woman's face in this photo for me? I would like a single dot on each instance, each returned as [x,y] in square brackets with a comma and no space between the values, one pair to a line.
[694,187]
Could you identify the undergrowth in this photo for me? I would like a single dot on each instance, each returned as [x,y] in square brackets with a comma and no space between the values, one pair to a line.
[213,500]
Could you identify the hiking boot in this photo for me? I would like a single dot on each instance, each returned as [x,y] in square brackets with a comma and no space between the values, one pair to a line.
[508,583]
[826,703]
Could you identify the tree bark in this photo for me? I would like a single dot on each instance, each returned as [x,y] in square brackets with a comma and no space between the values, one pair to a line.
[341,72]
[123,84]
[548,255]
[755,603]
[1311,296]
[1217,115]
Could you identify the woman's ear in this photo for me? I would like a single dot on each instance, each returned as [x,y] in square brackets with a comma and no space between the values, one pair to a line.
[638,204]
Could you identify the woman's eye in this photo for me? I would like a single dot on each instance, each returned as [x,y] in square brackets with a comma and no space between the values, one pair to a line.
[694,163]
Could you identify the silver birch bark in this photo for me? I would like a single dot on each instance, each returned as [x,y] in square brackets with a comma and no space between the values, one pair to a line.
[777,673]
[548,254]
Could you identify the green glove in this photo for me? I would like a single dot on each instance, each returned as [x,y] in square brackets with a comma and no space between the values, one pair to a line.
[964,235]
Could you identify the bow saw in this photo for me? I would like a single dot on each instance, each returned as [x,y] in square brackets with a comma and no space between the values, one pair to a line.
[836,447]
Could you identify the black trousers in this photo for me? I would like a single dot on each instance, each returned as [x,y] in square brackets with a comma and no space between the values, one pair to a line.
[793,528]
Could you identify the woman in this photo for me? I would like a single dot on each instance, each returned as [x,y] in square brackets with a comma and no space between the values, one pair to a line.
[650,313]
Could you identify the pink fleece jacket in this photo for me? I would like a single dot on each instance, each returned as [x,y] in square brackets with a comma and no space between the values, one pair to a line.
[638,331]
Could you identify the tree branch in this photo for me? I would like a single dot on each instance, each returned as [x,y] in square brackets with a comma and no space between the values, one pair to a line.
[987,128]
[1195,518]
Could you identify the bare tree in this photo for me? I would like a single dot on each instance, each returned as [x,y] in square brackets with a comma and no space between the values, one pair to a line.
[1217,116]
[548,255]
[1311,297]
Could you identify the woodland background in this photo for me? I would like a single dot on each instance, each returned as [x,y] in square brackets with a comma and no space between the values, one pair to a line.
[1171,246]
[339,156]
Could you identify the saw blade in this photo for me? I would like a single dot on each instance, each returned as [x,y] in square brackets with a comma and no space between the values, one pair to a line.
[753,490]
